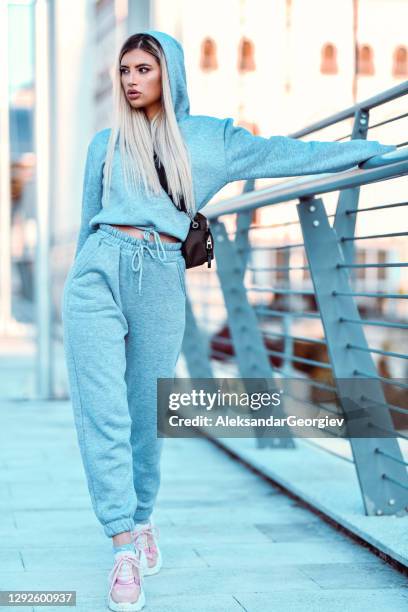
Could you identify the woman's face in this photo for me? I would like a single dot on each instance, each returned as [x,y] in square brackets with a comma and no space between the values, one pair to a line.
[140,71]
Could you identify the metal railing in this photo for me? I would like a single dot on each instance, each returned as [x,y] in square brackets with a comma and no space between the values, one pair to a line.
[307,297]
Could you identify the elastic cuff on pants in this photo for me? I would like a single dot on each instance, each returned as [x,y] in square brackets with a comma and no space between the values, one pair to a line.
[114,527]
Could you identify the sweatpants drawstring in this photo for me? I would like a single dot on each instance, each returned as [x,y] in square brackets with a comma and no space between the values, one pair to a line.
[139,252]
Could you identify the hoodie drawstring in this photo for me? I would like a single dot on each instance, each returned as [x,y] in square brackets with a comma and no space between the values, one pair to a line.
[139,252]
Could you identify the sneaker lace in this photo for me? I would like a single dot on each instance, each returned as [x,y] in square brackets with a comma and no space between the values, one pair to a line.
[144,538]
[125,562]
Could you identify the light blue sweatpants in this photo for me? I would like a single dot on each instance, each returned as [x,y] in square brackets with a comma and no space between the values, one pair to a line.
[123,319]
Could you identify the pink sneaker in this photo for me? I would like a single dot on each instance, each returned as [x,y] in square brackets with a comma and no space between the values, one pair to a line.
[146,542]
[125,580]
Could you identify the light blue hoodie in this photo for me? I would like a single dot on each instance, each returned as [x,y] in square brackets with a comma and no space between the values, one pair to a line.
[220,153]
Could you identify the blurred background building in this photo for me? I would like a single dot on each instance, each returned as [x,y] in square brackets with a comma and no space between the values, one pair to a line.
[275,66]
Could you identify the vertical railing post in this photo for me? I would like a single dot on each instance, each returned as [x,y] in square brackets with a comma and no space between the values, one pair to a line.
[195,347]
[43,305]
[250,350]
[344,222]
[375,470]
[5,191]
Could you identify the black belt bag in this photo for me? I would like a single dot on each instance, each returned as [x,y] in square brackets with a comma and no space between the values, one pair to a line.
[198,247]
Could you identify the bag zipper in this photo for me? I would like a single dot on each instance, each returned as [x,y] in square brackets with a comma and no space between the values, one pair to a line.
[209,247]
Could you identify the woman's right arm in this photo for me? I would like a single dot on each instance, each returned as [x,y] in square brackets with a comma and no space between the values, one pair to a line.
[91,196]
[248,156]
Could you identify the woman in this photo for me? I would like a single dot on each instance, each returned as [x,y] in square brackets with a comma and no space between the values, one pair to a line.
[124,298]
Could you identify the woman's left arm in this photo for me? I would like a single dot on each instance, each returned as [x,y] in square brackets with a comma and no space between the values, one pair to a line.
[91,197]
[250,157]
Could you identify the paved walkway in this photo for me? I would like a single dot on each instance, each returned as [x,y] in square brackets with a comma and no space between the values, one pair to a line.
[230,541]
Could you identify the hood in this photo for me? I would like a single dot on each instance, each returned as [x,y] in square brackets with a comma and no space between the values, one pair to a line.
[177,72]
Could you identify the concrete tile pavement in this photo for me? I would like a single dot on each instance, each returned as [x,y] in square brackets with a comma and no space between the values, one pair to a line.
[230,541]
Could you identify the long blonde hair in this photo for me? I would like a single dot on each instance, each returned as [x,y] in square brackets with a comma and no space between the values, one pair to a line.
[139,138]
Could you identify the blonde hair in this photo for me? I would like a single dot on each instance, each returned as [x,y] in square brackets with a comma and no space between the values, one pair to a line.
[139,138]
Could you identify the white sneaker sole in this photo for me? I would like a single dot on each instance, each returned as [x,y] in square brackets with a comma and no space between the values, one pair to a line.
[122,606]
[149,571]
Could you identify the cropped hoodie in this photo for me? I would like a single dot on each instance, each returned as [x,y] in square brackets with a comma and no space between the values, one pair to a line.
[220,153]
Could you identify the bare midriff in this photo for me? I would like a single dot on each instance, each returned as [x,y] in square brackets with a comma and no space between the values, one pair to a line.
[138,233]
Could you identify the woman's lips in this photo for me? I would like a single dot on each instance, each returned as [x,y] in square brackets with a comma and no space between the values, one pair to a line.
[134,94]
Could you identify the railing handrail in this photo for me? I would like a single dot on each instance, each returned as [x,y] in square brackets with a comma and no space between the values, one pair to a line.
[377,168]
[381,98]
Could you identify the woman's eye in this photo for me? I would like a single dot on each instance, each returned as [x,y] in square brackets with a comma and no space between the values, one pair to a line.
[123,70]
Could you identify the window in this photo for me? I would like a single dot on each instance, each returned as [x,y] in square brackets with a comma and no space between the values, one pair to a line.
[328,63]
[365,61]
[306,271]
[400,62]
[256,216]
[208,60]
[361,259]
[382,258]
[246,59]
[282,259]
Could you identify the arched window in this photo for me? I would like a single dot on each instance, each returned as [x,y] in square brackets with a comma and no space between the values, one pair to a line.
[246,57]
[208,60]
[365,61]
[328,63]
[400,62]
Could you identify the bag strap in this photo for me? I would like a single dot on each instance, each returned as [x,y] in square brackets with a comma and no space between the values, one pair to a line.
[163,180]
